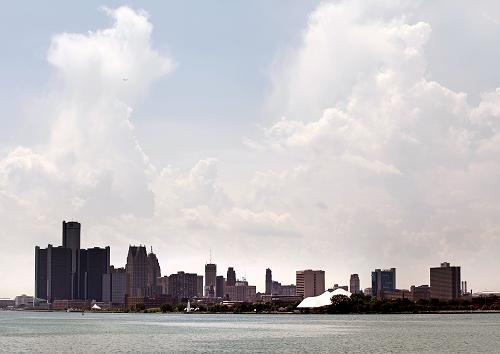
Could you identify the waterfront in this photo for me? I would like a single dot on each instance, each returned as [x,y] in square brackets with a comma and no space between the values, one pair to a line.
[48,332]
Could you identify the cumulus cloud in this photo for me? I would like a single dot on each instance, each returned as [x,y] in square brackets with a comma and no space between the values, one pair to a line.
[91,166]
[408,163]
[374,163]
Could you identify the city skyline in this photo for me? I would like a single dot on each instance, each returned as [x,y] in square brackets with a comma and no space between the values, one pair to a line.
[88,269]
[257,130]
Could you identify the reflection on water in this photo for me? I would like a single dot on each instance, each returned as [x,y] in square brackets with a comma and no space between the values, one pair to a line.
[227,333]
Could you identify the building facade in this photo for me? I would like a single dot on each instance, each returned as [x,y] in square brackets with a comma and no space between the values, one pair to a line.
[310,282]
[354,286]
[288,290]
[114,285]
[230,277]
[58,273]
[153,272]
[199,286]
[163,283]
[210,279]
[219,286]
[183,286]
[136,269]
[383,282]
[269,281]
[422,292]
[94,264]
[241,291]
[71,239]
[445,282]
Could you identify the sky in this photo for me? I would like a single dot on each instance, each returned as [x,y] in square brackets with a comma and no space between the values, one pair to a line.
[336,135]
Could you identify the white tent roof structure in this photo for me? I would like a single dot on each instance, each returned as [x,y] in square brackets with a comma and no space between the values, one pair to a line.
[96,307]
[322,300]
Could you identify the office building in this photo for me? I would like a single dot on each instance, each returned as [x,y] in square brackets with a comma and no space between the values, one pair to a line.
[269,281]
[445,282]
[231,277]
[58,272]
[240,291]
[94,263]
[275,288]
[219,286]
[71,239]
[383,282]
[163,283]
[23,301]
[337,286]
[136,269]
[153,272]
[199,286]
[210,275]
[354,284]
[114,286]
[40,273]
[183,286]
[288,290]
[310,282]
[422,292]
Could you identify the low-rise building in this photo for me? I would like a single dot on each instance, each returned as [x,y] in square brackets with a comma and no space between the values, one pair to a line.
[241,291]
[23,301]
[422,292]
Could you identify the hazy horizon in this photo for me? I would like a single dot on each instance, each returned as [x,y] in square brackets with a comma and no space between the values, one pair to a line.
[335,135]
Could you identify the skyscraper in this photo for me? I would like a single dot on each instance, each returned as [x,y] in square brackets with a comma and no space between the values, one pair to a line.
[354,286]
[71,239]
[199,286]
[114,286]
[383,281]
[231,277]
[58,273]
[96,265]
[269,281]
[210,275]
[219,286]
[136,271]
[182,286]
[445,282]
[40,273]
[153,272]
[310,282]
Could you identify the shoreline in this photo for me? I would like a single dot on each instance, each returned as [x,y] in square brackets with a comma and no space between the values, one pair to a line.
[444,312]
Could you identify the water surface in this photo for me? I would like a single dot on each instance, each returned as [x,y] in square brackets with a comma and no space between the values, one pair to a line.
[49,332]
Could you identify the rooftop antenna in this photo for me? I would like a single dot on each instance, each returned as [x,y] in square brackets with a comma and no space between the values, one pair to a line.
[210,256]
[151,249]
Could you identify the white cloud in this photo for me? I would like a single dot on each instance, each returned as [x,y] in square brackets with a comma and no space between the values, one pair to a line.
[373,164]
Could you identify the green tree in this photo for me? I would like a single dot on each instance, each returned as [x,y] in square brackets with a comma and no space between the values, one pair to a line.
[340,304]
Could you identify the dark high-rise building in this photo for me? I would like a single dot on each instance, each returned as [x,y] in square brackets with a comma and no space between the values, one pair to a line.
[383,282]
[231,277]
[136,271]
[71,239]
[183,286]
[40,273]
[354,286]
[114,285]
[269,281]
[153,272]
[94,264]
[58,273]
[219,286]
[199,286]
[210,275]
[445,282]
[58,269]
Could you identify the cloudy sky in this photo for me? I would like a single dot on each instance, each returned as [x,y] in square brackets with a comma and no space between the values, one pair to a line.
[343,135]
